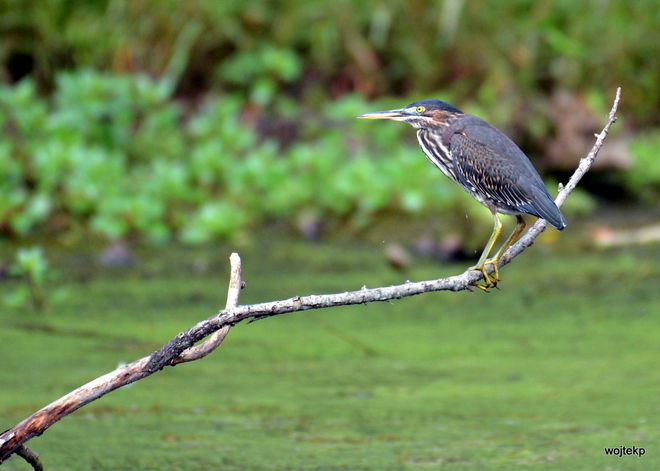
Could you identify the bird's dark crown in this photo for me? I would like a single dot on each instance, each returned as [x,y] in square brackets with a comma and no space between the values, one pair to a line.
[431,104]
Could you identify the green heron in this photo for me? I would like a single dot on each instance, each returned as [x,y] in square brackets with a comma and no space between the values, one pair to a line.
[485,163]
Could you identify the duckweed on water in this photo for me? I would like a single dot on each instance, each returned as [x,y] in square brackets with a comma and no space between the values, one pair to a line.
[546,372]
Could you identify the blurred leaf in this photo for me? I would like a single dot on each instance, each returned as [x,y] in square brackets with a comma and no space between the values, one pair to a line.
[213,219]
[643,177]
[579,203]
[35,210]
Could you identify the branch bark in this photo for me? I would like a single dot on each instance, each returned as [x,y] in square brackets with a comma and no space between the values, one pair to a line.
[182,348]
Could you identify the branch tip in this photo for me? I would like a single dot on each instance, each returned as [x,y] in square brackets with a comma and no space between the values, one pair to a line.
[217,337]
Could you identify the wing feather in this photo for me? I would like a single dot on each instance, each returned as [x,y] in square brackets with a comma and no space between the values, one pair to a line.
[488,163]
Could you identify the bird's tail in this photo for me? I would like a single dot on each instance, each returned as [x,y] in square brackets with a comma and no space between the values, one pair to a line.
[546,208]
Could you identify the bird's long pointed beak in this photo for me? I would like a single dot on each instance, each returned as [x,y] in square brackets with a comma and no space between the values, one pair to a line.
[396,115]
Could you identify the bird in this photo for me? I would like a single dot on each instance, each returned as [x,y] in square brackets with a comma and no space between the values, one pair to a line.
[483,161]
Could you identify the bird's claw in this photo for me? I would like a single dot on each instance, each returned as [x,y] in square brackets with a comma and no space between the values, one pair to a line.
[489,280]
[495,278]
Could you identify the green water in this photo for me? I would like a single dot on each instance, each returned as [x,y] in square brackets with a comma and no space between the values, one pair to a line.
[542,374]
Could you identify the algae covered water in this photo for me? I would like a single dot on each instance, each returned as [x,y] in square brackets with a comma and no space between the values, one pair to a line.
[548,371]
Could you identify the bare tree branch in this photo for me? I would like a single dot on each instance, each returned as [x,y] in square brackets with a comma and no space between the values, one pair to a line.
[565,190]
[11,441]
[182,348]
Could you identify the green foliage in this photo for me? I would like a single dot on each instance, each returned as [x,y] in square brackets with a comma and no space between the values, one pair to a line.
[579,203]
[260,71]
[509,52]
[31,263]
[114,149]
[32,266]
[114,153]
[644,176]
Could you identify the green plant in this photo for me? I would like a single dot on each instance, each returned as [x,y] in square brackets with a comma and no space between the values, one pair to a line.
[33,267]
[261,71]
[114,155]
[643,178]
[260,50]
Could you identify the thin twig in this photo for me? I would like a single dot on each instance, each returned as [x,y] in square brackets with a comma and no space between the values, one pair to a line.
[583,167]
[182,346]
[31,457]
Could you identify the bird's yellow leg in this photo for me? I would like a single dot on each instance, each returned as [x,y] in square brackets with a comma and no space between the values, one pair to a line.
[497,230]
[520,226]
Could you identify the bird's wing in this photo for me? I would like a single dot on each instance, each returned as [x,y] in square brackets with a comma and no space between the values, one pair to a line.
[491,163]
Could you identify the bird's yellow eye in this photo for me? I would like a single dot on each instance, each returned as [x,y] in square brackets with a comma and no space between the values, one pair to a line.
[420,109]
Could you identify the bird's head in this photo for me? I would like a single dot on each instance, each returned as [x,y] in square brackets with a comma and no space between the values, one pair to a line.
[421,114]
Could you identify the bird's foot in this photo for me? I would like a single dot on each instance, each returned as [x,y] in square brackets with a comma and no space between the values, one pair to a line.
[490,280]
[487,280]
[495,276]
